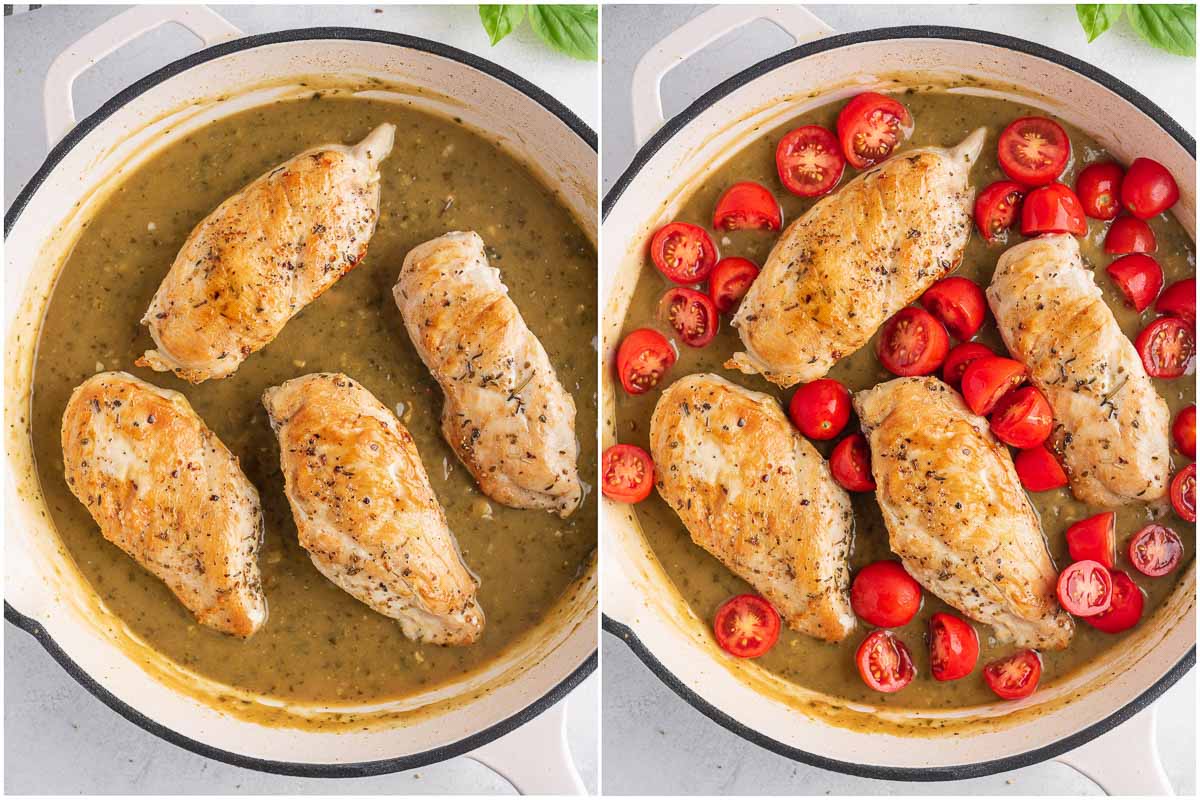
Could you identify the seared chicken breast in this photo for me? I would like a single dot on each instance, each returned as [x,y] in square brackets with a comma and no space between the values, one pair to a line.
[757,495]
[163,488]
[1110,425]
[365,511]
[263,255]
[505,415]
[956,513]
[855,259]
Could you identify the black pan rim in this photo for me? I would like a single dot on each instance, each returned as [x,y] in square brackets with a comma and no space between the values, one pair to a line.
[643,157]
[56,155]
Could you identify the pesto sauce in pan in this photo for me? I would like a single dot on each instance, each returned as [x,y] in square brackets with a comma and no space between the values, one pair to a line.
[940,119]
[319,643]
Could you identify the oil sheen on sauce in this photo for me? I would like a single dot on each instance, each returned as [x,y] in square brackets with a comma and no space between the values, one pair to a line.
[940,119]
[319,644]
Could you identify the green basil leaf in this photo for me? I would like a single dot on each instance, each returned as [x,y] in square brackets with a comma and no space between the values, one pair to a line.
[500,21]
[1167,26]
[570,29]
[1096,18]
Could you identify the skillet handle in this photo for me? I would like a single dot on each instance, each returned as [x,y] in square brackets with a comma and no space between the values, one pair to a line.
[535,758]
[57,102]
[1125,760]
[692,37]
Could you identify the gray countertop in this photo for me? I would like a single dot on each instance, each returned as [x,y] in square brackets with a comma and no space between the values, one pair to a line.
[652,741]
[47,714]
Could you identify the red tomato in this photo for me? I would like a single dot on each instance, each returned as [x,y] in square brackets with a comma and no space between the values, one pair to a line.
[1155,550]
[1179,300]
[683,252]
[996,208]
[1184,431]
[747,205]
[1038,470]
[1099,189]
[912,343]
[988,378]
[1167,347]
[1094,539]
[953,647]
[885,595]
[960,356]
[628,473]
[870,127]
[1034,150]
[1052,209]
[746,626]
[692,315]
[1016,676]
[1183,493]
[1139,277]
[730,280]
[1085,588]
[642,359]
[850,463]
[884,662]
[820,409]
[1022,418]
[809,161]
[1129,235]
[1126,607]
[958,303]
[1148,189]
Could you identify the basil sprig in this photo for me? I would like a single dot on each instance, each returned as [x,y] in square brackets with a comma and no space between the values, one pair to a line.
[1167,26]
[573,30]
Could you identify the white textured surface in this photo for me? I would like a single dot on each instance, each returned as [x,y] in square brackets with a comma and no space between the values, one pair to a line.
[652,741]
[47,713]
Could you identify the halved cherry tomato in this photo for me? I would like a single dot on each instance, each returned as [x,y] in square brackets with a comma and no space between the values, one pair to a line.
[691,313]
[809,161]
[1094,539]
[1039,470]
[884,662]
[1022,418]
[1125,609]
[870,128]
[885,595]
[1099,189]
[1139,278]
[912,342]
[746,626]
[1155,550]
[747,205]
[953,647]
[1148,189]
[1179,300]
[820,409]
[1052,209]
[683,252]
[959,358]
[1167,347]
[642,359]
[1085,588]
[730,280]
[958,303]
[1016,676]
[996,208]
[1034,150]
[628,473]
[1183,493]
[1129,235]
[1184,431]
[850,463]
[987,379]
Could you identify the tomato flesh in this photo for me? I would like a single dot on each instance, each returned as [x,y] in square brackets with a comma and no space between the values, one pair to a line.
[988,378]
[628,473]
[643,358]
[870,128]
[959,359]
[691,313]
[1085,588]
[953,647]
[1125,610]
[1099,189]
[683,252]
[1155,550]
[746,626]
[1167,347]
[1139,278]
[1039,470]
[821,409]
[1148,189]
[1014,677]
[747,206]
[996,209]
[1129,235]
[730,280]
[884,662]
[809,161]
[1022,418]
[1033,150]
[958,303]
[1179,300]
[1053,209]
[850,463]
[1183,430]
[912,342]
[1094,539]
[1183,493]
[885,595]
